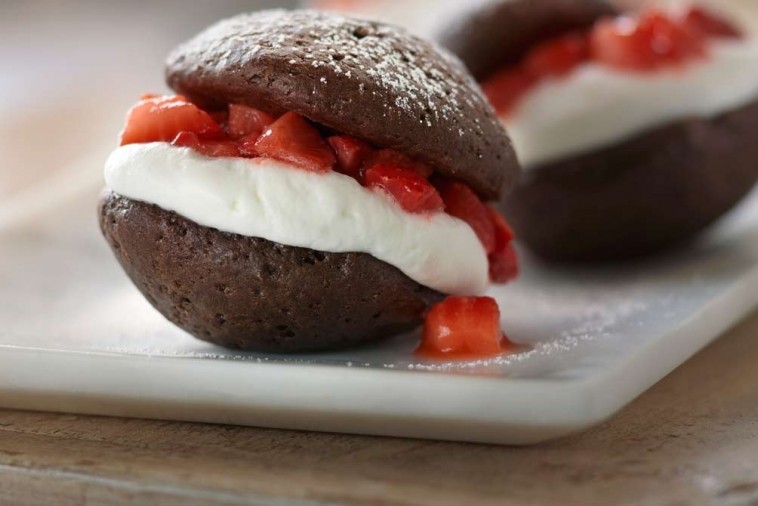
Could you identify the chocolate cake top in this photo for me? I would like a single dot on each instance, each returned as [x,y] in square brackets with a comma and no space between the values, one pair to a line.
[491,34]
[362,78]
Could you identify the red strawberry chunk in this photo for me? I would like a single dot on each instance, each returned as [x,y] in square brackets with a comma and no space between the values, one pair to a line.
[462,202]
[292,139]
[466,327]
[414,193]
[503,264]
[207,147]
[351,153]
[503,260]
[244,121]
[506,88]
[392,156]
[186,140]
[619,43]
[557,57]
[159,118]
[670,39]
[652,40]
[247,147]
[503,231]
[708,24]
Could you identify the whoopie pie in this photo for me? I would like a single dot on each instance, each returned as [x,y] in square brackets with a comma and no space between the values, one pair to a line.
[636,130]
[317,182]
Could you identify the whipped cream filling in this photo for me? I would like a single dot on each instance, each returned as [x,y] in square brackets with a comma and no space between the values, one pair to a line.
[327,212]
[597,106]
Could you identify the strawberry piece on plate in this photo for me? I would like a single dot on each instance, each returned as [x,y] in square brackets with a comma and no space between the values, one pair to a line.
[505,89]
[557,57]
[411,191]
[244,121]
[707,23]
[462,202]
[351,153]
[207,147]
[159,118]
[464,327]
[292,139]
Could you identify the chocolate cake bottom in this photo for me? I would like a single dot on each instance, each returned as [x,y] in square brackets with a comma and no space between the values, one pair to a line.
[253,294]
[645,195]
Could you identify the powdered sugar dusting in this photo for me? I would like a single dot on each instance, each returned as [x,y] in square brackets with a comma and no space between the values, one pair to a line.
[408,68]
[432,107]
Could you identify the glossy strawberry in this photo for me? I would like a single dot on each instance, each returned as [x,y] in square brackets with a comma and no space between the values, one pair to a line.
[503,264]
[502,259]
[351,153]
[671,40]
[411,191]
[708,24]
[619,43]
[503,231]
[207,147]
[158,118]
[462,202]
[244,121]
[395,157]
[462,327]
[557,57]
[293,139]
[652,40]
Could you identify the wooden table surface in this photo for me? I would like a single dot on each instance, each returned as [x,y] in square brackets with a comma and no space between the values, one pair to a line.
[691,439]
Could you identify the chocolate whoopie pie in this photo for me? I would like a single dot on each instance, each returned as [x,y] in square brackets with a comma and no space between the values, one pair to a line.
[495,34]
[627,151]
[302,191]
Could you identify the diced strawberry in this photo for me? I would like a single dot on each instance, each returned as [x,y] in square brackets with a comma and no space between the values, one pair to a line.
[619,43]
[186,140]
[207,147]
[503,264]
[505,89]
[557,57]
[395,157]
[650,41]
[246,121]
[219,148]
[163,118]
[292,139]
[247,145]
[411,191]
[708,24]
[462,327]
[670,40]
[503,231]
[351,153]
[502,259]
[462,202]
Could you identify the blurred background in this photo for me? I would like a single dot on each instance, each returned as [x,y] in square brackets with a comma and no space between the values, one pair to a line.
[70,69]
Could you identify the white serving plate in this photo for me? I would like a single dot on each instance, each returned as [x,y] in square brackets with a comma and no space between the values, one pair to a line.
[75,336]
